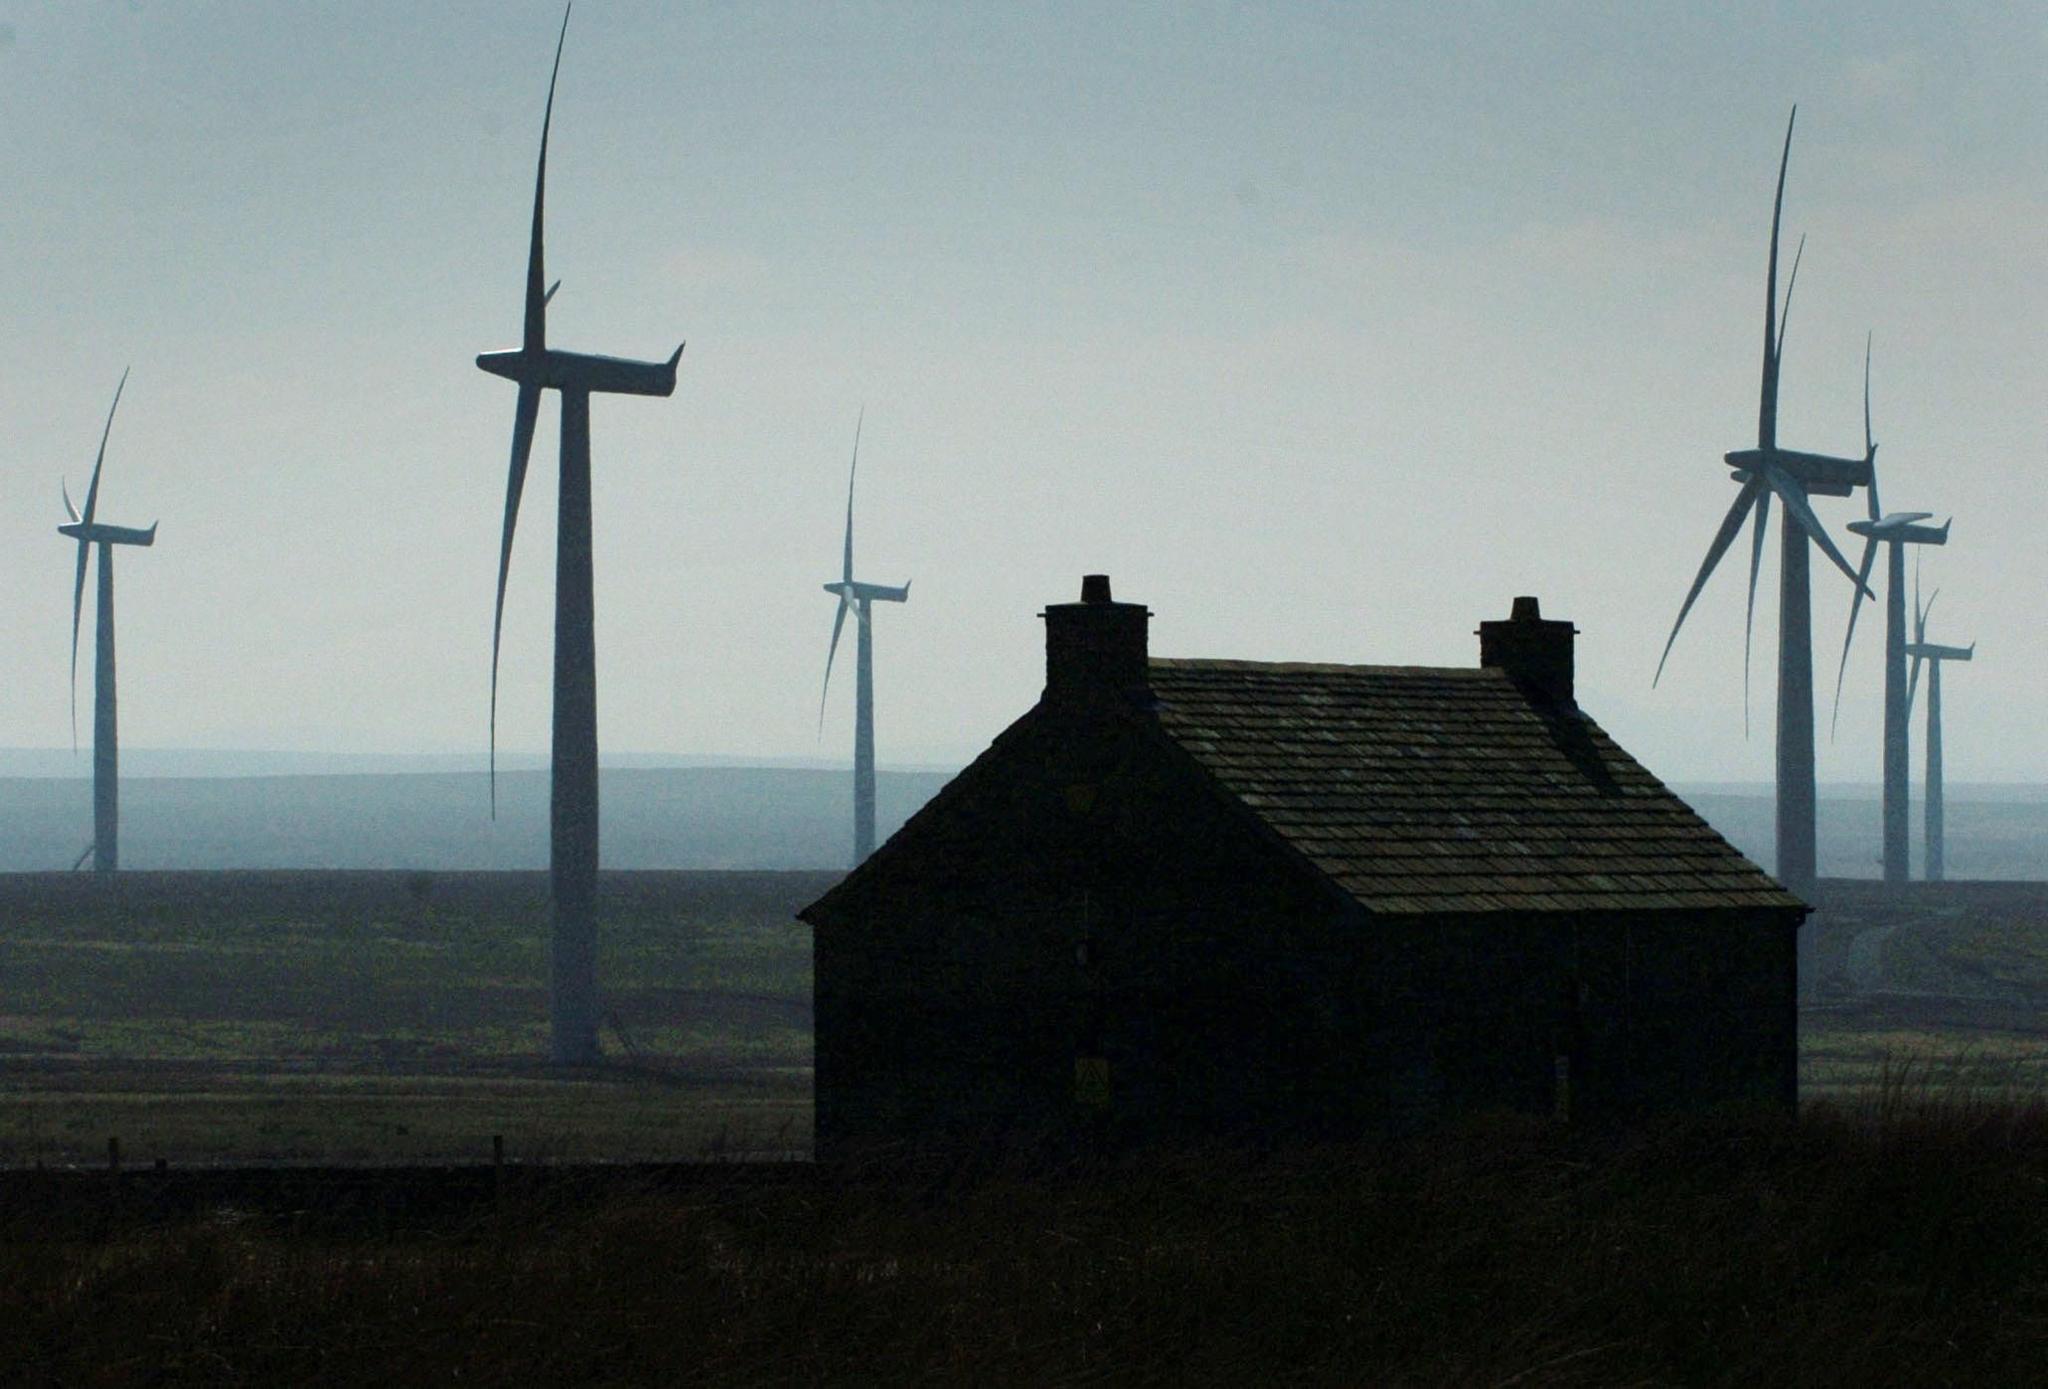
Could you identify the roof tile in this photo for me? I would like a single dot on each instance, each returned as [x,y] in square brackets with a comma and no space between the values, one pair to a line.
[1421,790]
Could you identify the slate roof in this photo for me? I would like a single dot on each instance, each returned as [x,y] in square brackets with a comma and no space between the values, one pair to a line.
[1423,790]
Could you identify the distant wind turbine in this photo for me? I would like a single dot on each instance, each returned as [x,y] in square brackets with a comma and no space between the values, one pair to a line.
[858,597]
[573,796]
[1792,476]
[89,531]
[1920,650]
[1895,532]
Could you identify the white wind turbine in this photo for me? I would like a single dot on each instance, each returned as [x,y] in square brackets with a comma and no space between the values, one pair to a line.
[1792,476]
[89,531]
[1920,649]
[572,796]
[1895,532]
[857,597]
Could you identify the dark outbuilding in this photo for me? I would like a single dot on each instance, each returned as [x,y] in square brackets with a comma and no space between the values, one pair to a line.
[1200,898]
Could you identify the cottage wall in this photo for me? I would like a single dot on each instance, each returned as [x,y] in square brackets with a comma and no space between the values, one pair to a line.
[1649,1010]
[1093,900]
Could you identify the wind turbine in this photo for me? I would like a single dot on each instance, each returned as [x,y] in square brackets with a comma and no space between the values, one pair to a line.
[1923,650]
[859,597]
[1791,475]
[1895,532]
[572,809]
[89,531]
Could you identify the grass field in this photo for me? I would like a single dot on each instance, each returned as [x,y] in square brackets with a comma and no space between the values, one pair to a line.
[1942,986]
[1901,1242]
[395,1017]
[399,1017]
[1894,1232]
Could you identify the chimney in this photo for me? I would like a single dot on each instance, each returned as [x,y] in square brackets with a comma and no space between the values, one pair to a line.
[1535,652]
[1095,644]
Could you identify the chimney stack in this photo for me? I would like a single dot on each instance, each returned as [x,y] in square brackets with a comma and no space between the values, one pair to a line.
[1096,644]
[1535,652]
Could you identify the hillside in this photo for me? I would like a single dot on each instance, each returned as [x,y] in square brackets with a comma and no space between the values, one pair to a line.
[1994,832]
[671,817]
[420,813]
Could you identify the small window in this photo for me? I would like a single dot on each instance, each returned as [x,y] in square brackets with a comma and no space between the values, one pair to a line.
[1091,1081]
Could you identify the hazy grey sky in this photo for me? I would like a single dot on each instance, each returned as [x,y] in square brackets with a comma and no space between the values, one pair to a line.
[1324,329]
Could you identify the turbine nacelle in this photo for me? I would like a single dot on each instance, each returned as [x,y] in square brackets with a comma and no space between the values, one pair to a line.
[1929,651]
[1903,528]
[556,370]
[852,591]
[99,533]
[1819,474]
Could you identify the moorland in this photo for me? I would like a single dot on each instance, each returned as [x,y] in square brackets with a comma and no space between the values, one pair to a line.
[1895,1231]
[355,1017]
[395,1017]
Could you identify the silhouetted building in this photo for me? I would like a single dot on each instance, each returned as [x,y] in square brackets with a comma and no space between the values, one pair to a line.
[1184,898]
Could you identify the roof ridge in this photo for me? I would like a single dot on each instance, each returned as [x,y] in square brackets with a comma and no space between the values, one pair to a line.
[1320,667]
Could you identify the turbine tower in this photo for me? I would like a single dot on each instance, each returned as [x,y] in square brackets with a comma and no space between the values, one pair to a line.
[1895,532]
[859,597]
[572,809]
[1923,650]
[89,531]
[1792,476]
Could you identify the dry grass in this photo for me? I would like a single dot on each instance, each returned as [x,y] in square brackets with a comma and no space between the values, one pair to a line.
[391,1017]
[1903,1240]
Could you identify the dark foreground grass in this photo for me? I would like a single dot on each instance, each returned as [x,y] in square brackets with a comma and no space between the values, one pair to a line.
[1902,1243]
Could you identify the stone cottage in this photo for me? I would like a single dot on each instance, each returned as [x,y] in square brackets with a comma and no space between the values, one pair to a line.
[1190,899]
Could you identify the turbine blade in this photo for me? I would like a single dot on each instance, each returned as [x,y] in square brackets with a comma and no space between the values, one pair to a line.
[1785,313]
[1912,686]
[537,292]
[92,491]
[838,622]
[77,607]
[515,483]
[1730,524]
[1855,606]
[1796,509]
[859,420]
[1756,560]
[1919,613]
[92,501]
[549,297]
[1767,404]
[1869,444]
[69,509]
